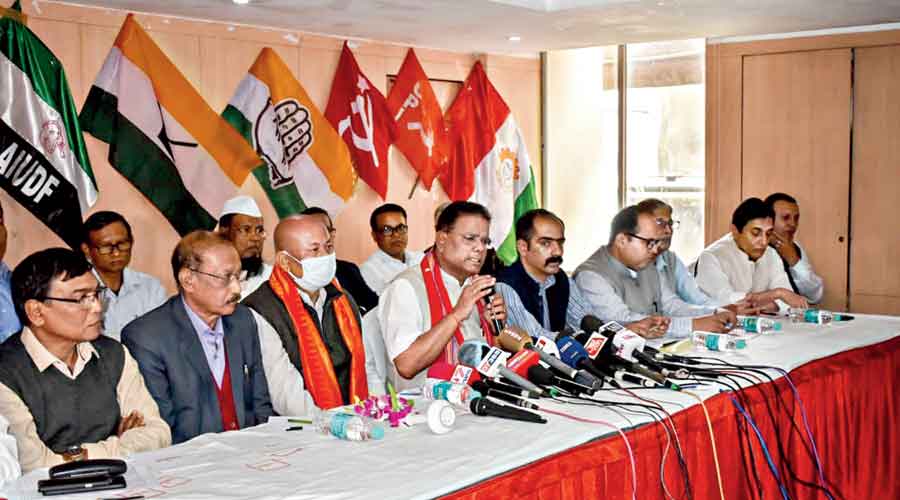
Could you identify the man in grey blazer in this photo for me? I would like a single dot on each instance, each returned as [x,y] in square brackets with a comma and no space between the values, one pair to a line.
[199,352]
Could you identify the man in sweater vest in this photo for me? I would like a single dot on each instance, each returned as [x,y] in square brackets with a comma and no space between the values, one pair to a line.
[309,329]
[199,352]
[68,392]
[548,297]
[620,281]
[430,309]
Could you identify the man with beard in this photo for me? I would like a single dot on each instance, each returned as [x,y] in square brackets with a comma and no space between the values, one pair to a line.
[537,281]
[128,294]
[430,309]
[241,223]
[800,273]
[199,352]
[742,266]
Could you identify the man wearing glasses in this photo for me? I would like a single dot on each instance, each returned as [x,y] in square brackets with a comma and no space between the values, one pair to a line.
[128,293]
[69,392]
[347,274]
[430,309]
[199,352]
[241,222]
[622,285]
[390,232]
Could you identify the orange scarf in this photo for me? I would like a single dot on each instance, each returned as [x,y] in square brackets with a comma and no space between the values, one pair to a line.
[439,306]
[318,372]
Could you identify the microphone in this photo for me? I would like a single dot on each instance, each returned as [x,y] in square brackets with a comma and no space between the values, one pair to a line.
[626,343]
[487,390]
[524,363]
[458,374]
[500,386]
[544,377]
[484,407]
[573,354]
[498,326]
[514,341]
[599,347]
[490,362]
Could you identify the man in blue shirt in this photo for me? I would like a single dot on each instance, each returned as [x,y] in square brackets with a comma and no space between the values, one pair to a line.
[9,322]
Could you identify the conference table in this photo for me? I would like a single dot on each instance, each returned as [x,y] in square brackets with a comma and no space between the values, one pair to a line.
[845,374]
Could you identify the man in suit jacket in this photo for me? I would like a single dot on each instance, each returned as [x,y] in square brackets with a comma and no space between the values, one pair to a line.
[199,352]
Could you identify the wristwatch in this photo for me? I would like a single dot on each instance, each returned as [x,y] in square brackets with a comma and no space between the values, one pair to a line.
[74,454]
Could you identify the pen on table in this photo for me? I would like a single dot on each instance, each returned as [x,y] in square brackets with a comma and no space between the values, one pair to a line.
[299,421]
[295,428]
[135,497]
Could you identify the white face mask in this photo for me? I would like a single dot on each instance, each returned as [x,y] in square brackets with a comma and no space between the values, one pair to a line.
[317,271]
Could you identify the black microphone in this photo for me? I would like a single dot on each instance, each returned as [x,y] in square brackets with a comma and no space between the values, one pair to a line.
[498,326]
[607,355]
[541,376]
[499,385]
[486,390]
[484,407]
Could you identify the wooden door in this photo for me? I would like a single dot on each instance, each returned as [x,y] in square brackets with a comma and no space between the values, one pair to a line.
[796,139]
[875,226]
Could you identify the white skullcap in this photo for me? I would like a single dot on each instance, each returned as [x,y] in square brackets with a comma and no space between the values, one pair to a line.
[244,205]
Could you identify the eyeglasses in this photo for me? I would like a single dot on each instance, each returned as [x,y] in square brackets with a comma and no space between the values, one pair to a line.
[86,301]
[651,243]
[473,240]
[222,280]
[667,222]
[399,229]
[122,247]
[247,231]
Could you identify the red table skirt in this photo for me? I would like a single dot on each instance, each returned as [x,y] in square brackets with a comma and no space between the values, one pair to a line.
[852,404]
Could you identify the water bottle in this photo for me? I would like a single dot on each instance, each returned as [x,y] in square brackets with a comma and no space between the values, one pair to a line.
[718,341]
[756,324]
[348,426]
[457,394]
[817,316]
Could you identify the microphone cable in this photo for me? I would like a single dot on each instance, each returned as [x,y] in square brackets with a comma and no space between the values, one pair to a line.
[712,438]
[765,449]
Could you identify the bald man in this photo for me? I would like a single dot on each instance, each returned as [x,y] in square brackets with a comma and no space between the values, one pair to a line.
[309,328]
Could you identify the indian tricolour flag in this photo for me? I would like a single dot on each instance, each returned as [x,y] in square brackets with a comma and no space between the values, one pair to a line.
[43,162]
[489,162]
[162,135]
[307,162]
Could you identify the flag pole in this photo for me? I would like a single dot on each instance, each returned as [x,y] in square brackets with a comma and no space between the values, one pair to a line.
[413,190]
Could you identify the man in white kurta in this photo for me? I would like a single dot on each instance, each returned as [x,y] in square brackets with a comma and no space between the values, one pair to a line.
[742,265]
[390,232]
[413,341]
[794,258]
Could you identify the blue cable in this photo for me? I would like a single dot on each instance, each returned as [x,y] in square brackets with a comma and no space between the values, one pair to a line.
[765,449]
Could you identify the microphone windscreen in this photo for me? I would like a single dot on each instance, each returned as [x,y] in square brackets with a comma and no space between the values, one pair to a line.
[590,323]
[441,370]
[522,361]
[512,341]
[570,351]
[471,351]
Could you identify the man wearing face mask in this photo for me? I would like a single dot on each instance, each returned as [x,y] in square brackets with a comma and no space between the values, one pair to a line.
[241,222]
[309,328]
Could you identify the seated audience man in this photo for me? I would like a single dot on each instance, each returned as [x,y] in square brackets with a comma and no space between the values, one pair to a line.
[742,265]
[199,352]
[9,321]
[347,274]
[69,392]
[128,293]
[803,278]
[241,223]
[537,280]
[303,312]
[390,232]
[621,283]
[430,309]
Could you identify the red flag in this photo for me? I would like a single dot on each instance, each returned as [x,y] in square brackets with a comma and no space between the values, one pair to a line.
[360,114]
[473,119]
[420,127]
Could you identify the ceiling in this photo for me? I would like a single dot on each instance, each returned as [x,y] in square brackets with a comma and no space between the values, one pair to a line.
[486,25]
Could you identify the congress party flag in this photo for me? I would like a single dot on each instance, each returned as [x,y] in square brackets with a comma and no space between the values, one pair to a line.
[163,137]
[489,162]
[306,162]
[44,165]
[359,112]
[420,126]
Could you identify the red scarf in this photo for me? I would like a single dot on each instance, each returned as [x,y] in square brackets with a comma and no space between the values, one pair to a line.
[439,305]
[318,372]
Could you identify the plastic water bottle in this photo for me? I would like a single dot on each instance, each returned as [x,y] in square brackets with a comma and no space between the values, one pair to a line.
[817,316]
[756,324]
[457,394]
[348,426]
[718,341]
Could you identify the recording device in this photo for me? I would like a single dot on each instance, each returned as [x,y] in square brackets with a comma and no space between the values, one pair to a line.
[485,407]
[84,476]
[491,361]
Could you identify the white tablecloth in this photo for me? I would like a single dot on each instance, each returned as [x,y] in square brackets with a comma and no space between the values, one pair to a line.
[265,462]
